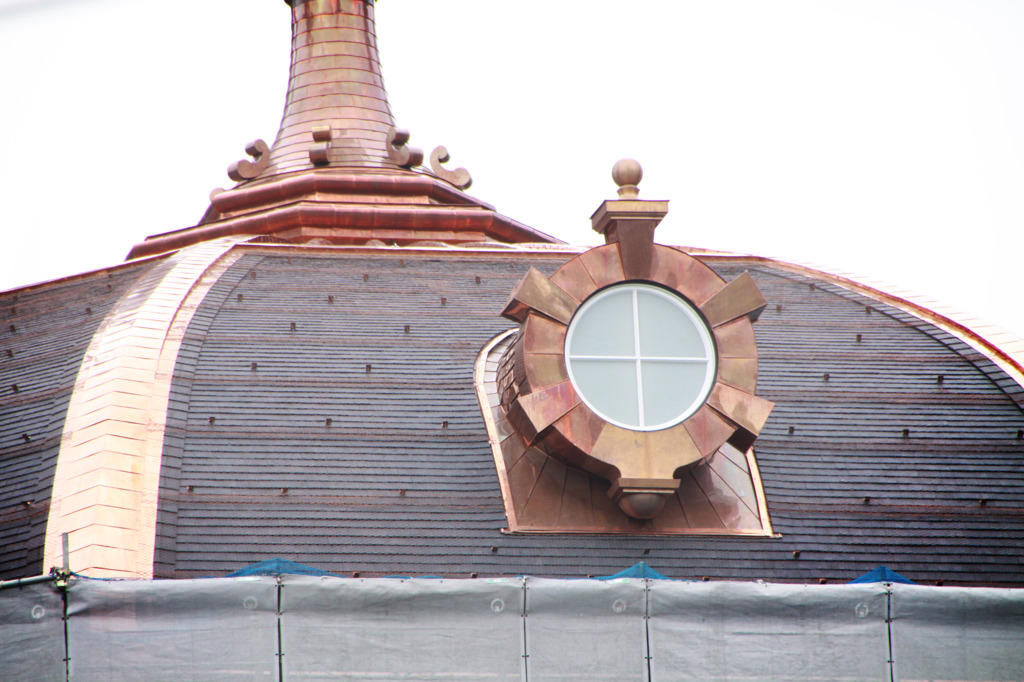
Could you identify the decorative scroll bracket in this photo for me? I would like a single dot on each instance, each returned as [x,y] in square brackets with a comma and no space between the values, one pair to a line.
[243,170]
[399,153]
[459,177]
[319,153]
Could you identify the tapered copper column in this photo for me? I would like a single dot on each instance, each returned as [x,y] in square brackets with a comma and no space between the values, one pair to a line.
[335,82]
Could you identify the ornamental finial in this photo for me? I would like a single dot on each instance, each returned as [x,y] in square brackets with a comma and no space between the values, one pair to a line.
[627,174]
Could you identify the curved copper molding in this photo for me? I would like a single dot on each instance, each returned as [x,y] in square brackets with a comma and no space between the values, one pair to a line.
[544,408]
[106,482]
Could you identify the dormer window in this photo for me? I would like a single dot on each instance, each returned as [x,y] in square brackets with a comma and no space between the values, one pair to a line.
[640,357]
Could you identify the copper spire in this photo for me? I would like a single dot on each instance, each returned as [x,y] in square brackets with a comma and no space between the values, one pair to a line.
[335,90]
[339,172]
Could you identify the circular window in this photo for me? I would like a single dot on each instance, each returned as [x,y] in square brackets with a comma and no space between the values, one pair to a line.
[640,357]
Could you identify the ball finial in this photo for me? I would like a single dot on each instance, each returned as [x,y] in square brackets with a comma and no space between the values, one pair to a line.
[627,174]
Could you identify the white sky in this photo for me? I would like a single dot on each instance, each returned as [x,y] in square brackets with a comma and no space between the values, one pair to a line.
[879,136]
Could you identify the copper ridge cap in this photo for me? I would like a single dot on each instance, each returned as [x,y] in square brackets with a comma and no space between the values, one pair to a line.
[335,87]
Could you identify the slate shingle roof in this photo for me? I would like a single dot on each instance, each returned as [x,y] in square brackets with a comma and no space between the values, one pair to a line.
[44,333]
[884,464]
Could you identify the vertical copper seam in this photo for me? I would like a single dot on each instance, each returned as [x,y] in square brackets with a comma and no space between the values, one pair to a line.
[536,481]
[494,348]
[714,471]
[762,501]
[679,501]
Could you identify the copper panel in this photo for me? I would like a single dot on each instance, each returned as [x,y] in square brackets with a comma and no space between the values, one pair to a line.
[684,273]
[536,292]
[603,264]
[739,298]
[735,456]
[573,279]
[671,517]
[736,339]
[581,427]
[636,238]
[576,509]
[737,481]
[543,370]
[646,454]
[738,372]
[523,476]
[744,409]
[547,405]
[512,449]
[708,430]
[544,335]
[607,514]
[698,510]
[733,513]
[545,500]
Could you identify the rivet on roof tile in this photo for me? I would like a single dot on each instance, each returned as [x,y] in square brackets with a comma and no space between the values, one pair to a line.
[14,387]
[940,379]
[1020,434]
[401,262]
[293,326]
[792,430]
[10,353]
[191,488]
[473,575]
[329,421]
[252,275]
[27,503]
[407,328]
[813,287]
[88,311]
[369,368]
[866,500]
[27,437]
[826,376]
[110,287]
[906,433]
[254,365]
[366,277]
[494,549]
[867,310]
[239,298]
[213,420]
[796,553]
[14,310]
[938,583]
[822,581]
[330,299]
[284,491]
[982,502]
[647,551]
[443,300]
[778,308]
[14,330]
[355,574]
[705,578]
[860,337]
[444,424]
[478,279]
[401,492]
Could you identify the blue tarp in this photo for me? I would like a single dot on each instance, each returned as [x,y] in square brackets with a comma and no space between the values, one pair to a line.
[277,566]
[882,574]
[640,570]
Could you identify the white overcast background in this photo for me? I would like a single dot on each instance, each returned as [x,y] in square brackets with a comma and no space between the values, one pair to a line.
[884,137]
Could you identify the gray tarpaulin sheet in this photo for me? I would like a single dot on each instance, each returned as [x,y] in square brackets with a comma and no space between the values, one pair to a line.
[957,633]
[224,629]
[530,629]
[586,629]
[757,631]
[390,629]
[31,634]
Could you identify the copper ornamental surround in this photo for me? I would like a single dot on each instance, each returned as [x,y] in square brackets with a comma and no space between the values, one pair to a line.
[540,402]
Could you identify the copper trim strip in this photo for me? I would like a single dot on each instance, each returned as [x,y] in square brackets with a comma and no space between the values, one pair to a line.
[106,483]
[495,347]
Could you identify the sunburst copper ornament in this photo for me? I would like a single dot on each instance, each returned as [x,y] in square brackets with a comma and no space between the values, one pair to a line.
[634,361]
